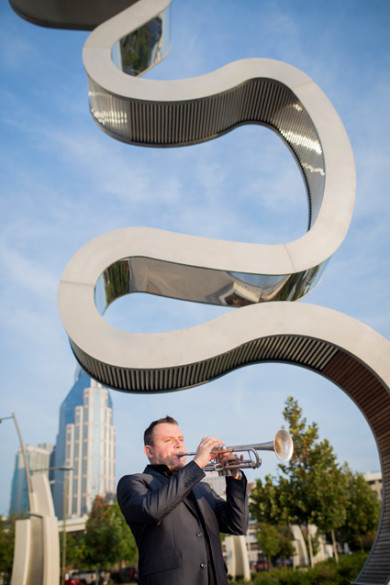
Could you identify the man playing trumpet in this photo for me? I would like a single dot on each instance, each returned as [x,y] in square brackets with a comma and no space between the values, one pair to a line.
[176,518]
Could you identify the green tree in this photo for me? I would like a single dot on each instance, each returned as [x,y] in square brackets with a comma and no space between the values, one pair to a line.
[128,549]
[362,513]
[310,488]
[107,538]
[274,541]
[327,495]
[75,549]
[7,543]
[286,548]
[269,541]
[317,482]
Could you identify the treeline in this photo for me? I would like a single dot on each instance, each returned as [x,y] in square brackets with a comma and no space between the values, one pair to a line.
[313,489]
[106,541]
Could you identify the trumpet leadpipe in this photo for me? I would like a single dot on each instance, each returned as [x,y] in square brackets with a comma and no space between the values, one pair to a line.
[282,445]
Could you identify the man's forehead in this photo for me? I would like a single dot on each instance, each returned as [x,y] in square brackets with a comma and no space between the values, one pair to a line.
[166,430]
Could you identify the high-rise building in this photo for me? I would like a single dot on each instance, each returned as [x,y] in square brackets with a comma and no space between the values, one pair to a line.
[85,443]
[38,459]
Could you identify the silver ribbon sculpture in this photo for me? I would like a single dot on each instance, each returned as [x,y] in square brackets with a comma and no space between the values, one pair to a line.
[262,281]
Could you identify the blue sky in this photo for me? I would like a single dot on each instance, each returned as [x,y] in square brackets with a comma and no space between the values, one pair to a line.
[64,182]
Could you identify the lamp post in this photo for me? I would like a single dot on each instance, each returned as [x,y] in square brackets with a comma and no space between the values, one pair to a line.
[63,558]
[24,455]
[66,479]
[36,554]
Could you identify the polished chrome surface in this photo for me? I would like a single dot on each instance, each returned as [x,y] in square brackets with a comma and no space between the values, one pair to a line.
[143,48]
[196,283]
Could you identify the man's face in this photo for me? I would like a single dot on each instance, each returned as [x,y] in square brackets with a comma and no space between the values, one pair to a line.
[168,441]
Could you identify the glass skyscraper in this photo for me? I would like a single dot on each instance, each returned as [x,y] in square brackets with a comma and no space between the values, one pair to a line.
[85,442]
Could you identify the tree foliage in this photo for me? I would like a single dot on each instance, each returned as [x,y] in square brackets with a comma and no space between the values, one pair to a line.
[128,548]
[75,548]
[362,513]
[268,539]
[313,488]
[7,540]
[316,482]
[108,539]
[274,541]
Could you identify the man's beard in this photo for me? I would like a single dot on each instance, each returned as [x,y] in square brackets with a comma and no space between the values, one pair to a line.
[175,467]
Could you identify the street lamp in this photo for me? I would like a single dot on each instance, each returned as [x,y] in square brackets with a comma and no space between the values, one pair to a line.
[24,455]
[66,479]
[63,556]
[36,555]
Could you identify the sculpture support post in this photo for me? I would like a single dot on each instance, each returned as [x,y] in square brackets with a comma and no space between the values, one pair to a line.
[24,456]
[36,553]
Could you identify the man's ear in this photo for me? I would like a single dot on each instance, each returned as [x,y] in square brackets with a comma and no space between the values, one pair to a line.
[148,449]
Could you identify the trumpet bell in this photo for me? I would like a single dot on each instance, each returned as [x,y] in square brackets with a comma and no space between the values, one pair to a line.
[283,445]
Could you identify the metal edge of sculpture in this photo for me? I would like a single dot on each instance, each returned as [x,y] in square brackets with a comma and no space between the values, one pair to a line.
[68,14]
[284,99]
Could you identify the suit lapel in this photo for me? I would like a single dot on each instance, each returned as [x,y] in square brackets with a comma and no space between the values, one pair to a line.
[192,505]
[199,502]
[161,478]
[194,508]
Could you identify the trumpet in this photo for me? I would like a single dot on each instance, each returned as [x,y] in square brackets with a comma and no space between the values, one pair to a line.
[282,445]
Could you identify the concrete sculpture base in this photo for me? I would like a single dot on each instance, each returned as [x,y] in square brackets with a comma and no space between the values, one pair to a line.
[36,556]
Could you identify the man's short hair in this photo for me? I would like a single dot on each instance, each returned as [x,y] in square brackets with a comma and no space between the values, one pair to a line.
[148,434]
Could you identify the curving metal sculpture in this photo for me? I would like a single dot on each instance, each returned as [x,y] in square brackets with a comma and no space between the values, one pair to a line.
[173,113]
[184,112]
[69,14]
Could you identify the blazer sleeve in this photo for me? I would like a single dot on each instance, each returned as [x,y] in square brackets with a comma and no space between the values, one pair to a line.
[143,498]
[233,513]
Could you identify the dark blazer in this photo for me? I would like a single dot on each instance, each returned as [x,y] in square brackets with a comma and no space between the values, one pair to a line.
[168,531]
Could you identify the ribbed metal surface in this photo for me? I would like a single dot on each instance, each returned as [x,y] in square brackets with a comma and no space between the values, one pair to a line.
[69,14]
[374,401]
[264,101]
[309,352]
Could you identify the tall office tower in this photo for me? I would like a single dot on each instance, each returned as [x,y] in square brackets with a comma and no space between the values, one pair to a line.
[38,458]
[85,443]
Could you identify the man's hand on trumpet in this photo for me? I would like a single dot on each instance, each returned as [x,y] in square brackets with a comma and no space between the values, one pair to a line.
[204,454]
